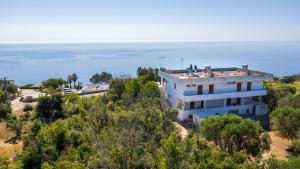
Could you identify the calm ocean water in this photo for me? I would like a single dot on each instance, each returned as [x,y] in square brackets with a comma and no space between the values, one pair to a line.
[32,63]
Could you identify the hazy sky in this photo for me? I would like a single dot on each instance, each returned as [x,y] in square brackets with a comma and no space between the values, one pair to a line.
[153,20]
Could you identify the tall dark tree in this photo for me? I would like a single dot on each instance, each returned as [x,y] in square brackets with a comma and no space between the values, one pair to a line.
[53,83]
[102,77]
[74,79]
[70,80]
[49,108]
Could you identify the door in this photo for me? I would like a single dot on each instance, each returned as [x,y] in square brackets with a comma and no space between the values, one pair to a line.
[211,89]
[192,105]
[200,89]
[238,101]
[202,104]
[238,87]
[229,102]
[248,86]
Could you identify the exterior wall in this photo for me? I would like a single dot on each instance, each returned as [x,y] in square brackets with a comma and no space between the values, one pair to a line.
[224,95]
[224,87]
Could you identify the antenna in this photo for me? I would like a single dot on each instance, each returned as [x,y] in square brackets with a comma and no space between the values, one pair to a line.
[181,60]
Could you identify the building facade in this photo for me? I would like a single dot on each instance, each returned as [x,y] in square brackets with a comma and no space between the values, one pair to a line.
[200,93]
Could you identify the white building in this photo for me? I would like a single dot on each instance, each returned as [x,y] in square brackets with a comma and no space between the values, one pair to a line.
[200,93]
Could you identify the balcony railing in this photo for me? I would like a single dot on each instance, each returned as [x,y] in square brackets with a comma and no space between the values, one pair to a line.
[251,93]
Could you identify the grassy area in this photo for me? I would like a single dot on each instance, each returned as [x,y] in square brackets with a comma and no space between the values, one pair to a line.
[5,133]
[6,149]
[279,147]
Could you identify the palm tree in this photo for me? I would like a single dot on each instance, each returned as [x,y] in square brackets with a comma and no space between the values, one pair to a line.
[69,80]
[74,78]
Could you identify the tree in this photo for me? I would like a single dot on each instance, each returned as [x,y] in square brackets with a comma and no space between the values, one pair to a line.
[53,83]
[290,101]
[11,88]
[117,86]
[170,154]
[265,141]
[150,74]
[69,80]
[286,121]
[95,78]
[133,87]
[16,124]
[74,79]
[28,108]
[150,88]
[49,108]
[4,96]
[102,77]
[5,109]
[232,133]
[276,92]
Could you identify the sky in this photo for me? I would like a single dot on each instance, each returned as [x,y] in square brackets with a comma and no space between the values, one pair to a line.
[148,20]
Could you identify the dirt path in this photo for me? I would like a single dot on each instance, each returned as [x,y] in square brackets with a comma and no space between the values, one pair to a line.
[279,147]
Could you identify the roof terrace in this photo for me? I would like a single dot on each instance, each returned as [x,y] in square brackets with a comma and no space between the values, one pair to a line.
[208,72]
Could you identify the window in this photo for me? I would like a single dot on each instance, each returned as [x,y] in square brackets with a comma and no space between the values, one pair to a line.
[202,104]
[192,105]
[248,86]
[228,102]
[200,89]
[238,101]
[211,89]
[174,85]
[238,87]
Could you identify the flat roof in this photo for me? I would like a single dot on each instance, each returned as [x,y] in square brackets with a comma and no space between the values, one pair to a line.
[214,72]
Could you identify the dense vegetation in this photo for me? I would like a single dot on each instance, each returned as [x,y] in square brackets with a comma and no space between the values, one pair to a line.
[132,127]
[284,99]
[7,91]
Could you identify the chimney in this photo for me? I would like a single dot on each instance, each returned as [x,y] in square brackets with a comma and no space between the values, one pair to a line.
[245,69]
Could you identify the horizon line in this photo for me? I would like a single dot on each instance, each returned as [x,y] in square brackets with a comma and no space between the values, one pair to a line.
[138,41]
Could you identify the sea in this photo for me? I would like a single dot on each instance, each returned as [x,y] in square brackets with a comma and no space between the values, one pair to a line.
[32,62]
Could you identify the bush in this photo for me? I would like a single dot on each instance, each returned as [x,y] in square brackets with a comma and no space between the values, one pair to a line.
[265,141]
[28,107]
[286,121]
[49,108]
[232,133]
[5,109]
[296,146]
[4,96]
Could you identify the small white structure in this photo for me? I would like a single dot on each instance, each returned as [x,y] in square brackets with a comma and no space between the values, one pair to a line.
[94,88]
[200,93]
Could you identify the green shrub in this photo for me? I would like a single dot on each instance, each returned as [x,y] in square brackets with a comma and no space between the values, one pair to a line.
[296,146]
[28,107]
[5,109]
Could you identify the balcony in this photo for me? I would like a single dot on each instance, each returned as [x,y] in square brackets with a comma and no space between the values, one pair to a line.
[253,93]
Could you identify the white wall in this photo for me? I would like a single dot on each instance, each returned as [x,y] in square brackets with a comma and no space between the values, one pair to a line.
[222,87]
